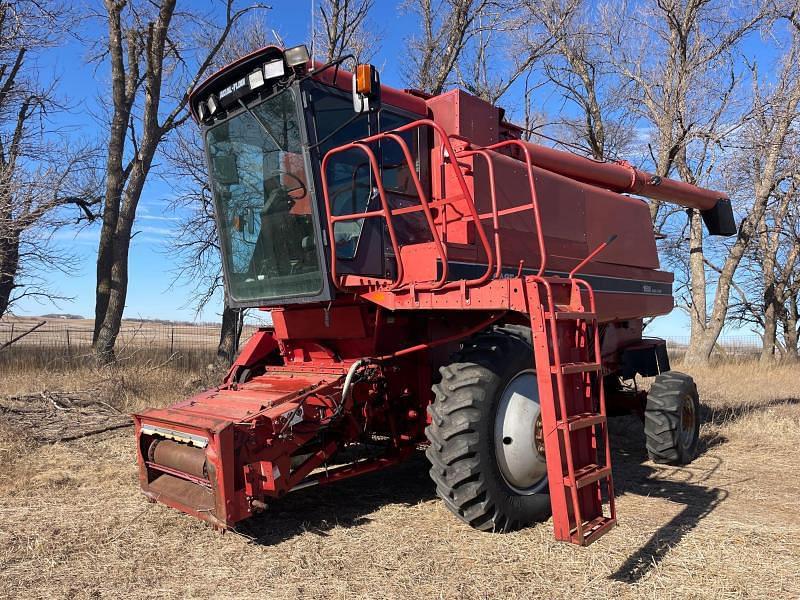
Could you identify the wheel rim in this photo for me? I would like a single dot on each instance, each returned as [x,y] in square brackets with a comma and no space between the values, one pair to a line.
[688,419]
[517,436]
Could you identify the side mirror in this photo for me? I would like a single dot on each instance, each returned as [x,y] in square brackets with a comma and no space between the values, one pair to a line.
[366,89]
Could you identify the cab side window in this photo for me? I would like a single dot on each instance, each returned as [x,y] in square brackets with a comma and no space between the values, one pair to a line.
[395,169]
[397,177]
[349,176]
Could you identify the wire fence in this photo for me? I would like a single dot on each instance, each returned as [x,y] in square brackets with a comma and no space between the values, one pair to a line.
[731,341]
[65,343]
[728,347]
[188,346]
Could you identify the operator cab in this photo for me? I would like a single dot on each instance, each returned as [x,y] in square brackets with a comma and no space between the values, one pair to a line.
[267,122]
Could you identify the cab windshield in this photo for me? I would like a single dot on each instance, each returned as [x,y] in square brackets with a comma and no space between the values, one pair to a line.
[263,203]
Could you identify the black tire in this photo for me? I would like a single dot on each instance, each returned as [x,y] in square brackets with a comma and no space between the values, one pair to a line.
[672,419]
[461,434]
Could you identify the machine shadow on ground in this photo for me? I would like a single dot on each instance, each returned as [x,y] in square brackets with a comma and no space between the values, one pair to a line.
[350,503]
[345,504]
[634,474]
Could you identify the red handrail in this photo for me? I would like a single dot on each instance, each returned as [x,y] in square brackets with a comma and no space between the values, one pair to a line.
[534,205]
[387,212]
[423,200]
[494,214]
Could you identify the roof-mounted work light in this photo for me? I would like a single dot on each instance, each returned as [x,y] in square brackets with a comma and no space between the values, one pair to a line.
[297,56]
[274,69]
[213,104]
[255,79]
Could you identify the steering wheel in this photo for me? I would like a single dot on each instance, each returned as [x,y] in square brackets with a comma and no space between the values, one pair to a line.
[352,188]
[300,187]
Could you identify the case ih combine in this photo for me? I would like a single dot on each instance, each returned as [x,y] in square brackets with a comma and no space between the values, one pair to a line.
[433,279]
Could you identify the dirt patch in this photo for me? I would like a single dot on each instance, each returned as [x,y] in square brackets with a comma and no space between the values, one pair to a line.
[49,417]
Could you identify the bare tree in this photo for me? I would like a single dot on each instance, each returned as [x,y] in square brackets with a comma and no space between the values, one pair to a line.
[776,112]
[148,51]
[679,77]
[779,250]
[447,28]
[341,28]
[579,72]
[675,67]
[767,278]
[195,243]
[40,175]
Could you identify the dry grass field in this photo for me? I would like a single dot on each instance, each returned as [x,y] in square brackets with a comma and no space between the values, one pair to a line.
[73,525]
[60,343]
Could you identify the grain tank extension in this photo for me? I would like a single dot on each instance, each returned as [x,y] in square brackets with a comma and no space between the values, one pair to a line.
[433,279]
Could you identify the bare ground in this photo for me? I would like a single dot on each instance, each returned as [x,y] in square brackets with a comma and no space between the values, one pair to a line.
[72,523]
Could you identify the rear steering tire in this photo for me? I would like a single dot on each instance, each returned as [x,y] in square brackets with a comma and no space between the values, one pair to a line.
[672,419]
[486,452]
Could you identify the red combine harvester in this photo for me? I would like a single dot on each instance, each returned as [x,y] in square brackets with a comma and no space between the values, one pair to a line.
[432,279]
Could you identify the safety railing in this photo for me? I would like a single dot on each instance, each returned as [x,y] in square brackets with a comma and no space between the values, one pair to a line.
[493,250]
[485,152]
[387,212]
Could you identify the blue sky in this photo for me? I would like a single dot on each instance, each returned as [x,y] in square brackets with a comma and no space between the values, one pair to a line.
[152,292]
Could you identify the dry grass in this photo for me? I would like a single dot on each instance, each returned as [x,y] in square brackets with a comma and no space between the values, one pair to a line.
[74,525]
[67,344]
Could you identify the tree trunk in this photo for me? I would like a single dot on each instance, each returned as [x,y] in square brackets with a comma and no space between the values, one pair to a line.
[704,343]
[790,318]
[228,337]
[122,90]
[769,242]
[119,241]
[9,264]
[117,294]
[697,283]
[105,261]
[770,327]
[700,350]
[124,184]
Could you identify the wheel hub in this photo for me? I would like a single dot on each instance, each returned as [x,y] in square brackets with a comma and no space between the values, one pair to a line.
[518,437]
[686,436]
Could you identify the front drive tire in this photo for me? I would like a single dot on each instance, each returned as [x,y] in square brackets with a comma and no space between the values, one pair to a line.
[485,451]
[672,419]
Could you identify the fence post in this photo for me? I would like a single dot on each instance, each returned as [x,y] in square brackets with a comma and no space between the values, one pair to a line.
[11,337]
[172,342]
[69,347]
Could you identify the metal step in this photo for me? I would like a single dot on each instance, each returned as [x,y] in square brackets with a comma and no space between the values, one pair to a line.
[577,367]
[581,421]
[572,315]
[588,474]
[593,530]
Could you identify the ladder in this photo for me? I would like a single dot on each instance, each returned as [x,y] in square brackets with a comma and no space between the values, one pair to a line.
[574,422]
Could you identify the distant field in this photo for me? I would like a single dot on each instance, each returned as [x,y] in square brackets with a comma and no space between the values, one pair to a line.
[69,340]
[78,332]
